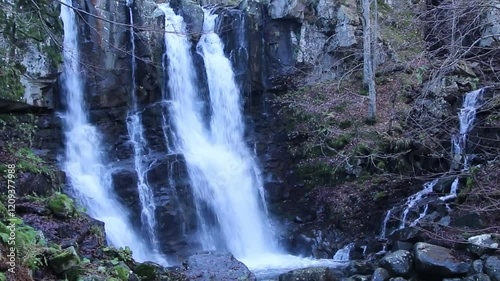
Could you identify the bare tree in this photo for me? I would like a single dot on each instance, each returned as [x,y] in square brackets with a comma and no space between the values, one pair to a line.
[369,47]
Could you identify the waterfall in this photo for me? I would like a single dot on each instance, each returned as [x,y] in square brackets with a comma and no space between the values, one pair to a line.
[139,144]
[224,176]
[344,254]
[83,159]
[466,117]
[415,198]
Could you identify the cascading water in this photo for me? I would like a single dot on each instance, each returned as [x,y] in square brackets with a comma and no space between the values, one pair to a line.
[225,179]
[221,168]
[139,144]
[83,161]
[466,118]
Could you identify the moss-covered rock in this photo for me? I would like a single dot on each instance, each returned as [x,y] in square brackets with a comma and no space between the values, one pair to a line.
[61,206]
[146,271]
[64,260]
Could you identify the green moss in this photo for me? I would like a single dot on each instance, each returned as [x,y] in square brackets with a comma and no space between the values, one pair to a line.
[61,205]
[340,142]
[2,277]
[146,271]
[379,195]
[122,272]
[64,260]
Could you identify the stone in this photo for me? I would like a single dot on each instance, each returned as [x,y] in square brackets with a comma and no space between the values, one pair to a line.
[397,279]
[477,266]
[398,263]
[380,274]
[147,271]
[310,274]
[492,267]
[64,260]
[61,206]
[216,266]
[356,278]
[484,243]
[439,261]
[477,277]
[285,9]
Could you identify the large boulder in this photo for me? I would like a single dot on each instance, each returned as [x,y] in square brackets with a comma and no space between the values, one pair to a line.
[484,243]
[399,263]
[438,261]
[216,266]
[311,274]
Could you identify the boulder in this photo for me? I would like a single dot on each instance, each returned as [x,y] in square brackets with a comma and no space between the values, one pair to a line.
[216,266]
[492,268]
[310,274]
[380,274]
[439,261]
[398,263]
[61,206]
[64,260]
[484,243]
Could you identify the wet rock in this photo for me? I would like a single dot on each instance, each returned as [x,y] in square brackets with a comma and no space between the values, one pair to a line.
[216,266]
[398,263]
[399,245]
[380,274]
[471,220]
[311,274]
[358,278]
[484,243]
[63,261]
[397,279]
[477,266]
[477,277]
[147,271]
[492,267]
[438,261]
[192,14]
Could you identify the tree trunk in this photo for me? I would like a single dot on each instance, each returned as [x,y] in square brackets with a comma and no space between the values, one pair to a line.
[368,78]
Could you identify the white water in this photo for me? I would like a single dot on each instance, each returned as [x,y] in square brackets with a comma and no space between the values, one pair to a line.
[139,144]
[453,191]
[415,198]
[83,163]
[224,175]
[222,171]
[466,118]
[343,255]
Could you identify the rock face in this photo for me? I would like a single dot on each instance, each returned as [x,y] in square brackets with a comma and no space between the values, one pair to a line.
[438,261]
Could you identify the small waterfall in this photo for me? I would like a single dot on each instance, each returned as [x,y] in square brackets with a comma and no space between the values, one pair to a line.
[139,144]
[343,255]
[83,161]
[466,117]
[415,198]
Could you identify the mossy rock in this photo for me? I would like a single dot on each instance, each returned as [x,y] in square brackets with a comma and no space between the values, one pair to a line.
[61,206]
[121,271]
[146,271]
[64,261]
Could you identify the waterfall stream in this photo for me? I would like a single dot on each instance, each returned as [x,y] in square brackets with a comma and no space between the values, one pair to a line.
[224,175]
[139,144]
[460,157]
[83,160]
